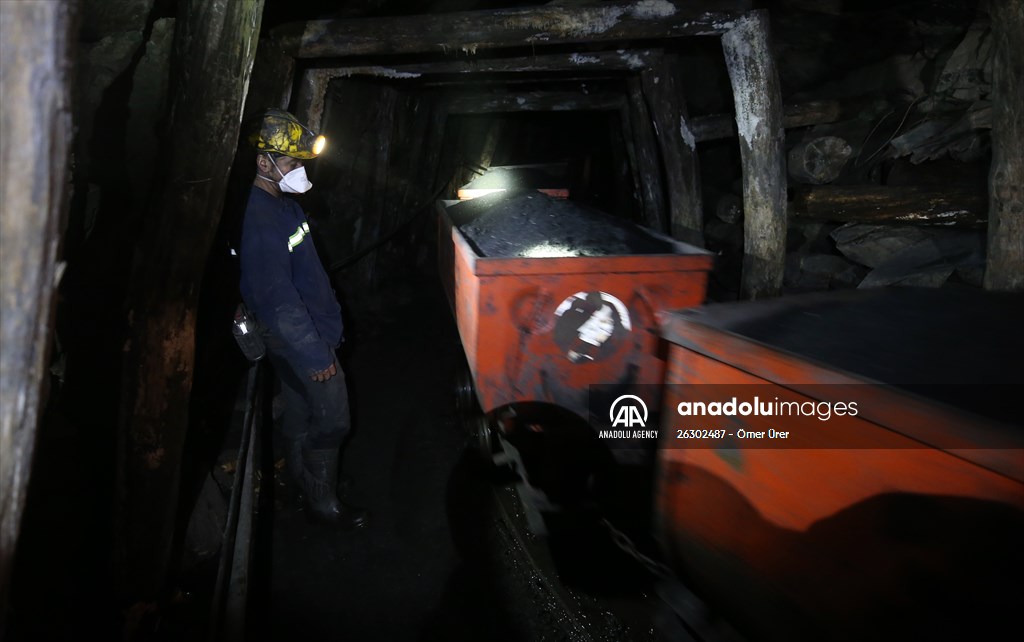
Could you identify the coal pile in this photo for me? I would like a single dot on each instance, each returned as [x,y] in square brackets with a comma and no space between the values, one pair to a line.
[527,223]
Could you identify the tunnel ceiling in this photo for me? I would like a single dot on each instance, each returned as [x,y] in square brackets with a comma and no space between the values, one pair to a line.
[818,43]
[276,13]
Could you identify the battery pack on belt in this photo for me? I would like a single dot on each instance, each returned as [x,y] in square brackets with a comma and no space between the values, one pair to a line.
[249,340]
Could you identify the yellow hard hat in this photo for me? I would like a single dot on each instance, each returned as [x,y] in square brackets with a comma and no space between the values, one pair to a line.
[282,133]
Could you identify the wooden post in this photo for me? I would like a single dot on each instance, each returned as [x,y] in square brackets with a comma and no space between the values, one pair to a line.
[383,109]
[35,136]
[755,88]
[491,142]
[271,82]
[662,86]
[420,167]
[1004,269]
[435,137]
[215,45]
[646,147]
[630,168]
[311,98]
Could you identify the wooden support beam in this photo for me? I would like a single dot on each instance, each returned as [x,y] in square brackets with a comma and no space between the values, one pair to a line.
[603,61]
[950,205]
[662,87]
[310,98]
[381,196]
[631,169]
[645,141]
[435,138]
[758,100]
[430,117]
[273,72]
[309,101]
[1004,268]
[534,101]
[362,181]
[35,136]
[491,143]
[562,82]
[473,31]
[718,126]
[215,42]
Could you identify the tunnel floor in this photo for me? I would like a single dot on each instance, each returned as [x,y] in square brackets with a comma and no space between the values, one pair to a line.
[448,555]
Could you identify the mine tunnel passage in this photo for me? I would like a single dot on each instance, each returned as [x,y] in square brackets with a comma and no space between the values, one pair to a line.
[888,116]
[444,542]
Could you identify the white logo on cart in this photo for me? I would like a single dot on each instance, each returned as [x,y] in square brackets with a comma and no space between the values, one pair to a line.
[628,411]
[586,323]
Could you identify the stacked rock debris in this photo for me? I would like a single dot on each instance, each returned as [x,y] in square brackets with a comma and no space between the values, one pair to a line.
[527,223]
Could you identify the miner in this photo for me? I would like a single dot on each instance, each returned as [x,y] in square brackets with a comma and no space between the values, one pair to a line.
[285,286]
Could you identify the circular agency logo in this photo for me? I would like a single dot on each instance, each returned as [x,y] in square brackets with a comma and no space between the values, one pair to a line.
[628,411]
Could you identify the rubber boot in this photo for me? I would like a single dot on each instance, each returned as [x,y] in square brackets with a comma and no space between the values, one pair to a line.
[320,485]
[294,473]
[294,467]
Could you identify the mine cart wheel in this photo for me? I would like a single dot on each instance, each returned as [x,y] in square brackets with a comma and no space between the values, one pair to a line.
[466,403]
[486,441]
[488,453]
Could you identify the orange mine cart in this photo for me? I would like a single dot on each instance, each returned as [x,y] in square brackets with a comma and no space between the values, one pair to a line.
[848,465]
[542,328]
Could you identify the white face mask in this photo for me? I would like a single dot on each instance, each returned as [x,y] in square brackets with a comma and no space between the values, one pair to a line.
[294,182]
